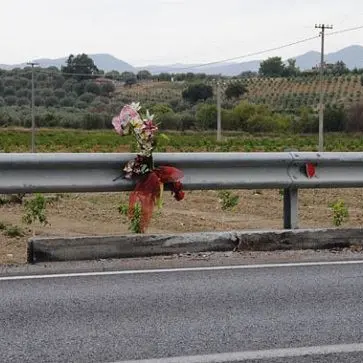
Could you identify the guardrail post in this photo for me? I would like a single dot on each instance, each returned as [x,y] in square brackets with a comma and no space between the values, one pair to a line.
[290,208]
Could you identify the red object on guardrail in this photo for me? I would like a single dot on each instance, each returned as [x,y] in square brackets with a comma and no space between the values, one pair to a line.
[310,170]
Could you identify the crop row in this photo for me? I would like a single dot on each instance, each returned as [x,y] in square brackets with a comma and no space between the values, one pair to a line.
[57,140]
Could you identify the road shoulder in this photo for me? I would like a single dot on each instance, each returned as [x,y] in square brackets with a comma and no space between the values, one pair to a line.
[184,260]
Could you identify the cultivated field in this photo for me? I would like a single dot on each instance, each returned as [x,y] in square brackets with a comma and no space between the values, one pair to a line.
[58,140]
[280,93]
[77,214]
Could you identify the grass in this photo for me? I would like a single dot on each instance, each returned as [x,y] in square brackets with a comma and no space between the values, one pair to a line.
[14,231]
[64,140]
[11,231]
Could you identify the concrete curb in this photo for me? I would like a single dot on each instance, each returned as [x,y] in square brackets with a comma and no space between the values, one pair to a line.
[46,249]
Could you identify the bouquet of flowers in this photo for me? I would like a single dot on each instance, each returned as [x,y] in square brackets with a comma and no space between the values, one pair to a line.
[150,180]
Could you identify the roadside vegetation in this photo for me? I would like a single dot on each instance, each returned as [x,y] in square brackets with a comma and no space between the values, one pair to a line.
[66,140]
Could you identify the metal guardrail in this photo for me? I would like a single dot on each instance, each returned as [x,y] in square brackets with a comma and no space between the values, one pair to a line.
[96,172]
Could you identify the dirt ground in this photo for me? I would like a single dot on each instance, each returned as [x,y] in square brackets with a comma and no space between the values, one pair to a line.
[97,214]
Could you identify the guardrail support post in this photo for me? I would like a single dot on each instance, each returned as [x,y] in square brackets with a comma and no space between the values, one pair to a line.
[290,208]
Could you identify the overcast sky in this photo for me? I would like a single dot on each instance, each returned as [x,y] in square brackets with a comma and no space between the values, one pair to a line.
[145,32]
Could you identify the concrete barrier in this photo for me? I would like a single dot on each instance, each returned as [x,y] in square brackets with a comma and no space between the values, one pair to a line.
[44,249]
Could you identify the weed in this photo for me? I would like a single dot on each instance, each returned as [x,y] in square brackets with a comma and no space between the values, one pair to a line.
[227,199]
[340,212]
[135,223]
[35,210]
[54,198]
[12,199]
[14,231]
[123,209]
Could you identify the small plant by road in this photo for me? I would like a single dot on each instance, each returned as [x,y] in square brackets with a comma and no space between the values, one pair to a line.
[14,231]
[12,199]
[135,222]
[228,200]
[35,210]
[340,212]
[10,230]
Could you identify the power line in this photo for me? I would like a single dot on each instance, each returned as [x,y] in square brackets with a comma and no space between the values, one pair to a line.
[222,60]
[250,54]
[270,49]
[345,30]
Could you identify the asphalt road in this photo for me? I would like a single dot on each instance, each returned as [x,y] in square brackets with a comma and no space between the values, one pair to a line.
[295,313]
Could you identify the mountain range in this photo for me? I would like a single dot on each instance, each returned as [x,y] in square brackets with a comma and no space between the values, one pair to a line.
[352,56]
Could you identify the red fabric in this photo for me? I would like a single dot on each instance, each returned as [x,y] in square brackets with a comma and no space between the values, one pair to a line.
[177,190]
[147,191]
[168,174]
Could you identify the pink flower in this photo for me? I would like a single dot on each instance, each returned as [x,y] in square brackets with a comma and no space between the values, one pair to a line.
[121,123]
[116,123]
[128,113]
[149,127]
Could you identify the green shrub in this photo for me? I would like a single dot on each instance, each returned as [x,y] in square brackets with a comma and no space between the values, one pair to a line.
[35,210]
[51,101]
[206,116]
[230,120]
[340,212]
[228,200]
[87,97]
[9,91]
[169,121]
[67,102]
[135,222]
[187,121]
[92,87]
[160,109]
[93,121]
[11,100]
[59,93]
[14,231]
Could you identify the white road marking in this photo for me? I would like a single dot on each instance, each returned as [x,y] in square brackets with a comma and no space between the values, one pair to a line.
[258,354]
[184,269]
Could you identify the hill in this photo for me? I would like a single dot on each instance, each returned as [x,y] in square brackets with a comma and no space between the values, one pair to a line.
[106,62]
[226,69]
[352,56]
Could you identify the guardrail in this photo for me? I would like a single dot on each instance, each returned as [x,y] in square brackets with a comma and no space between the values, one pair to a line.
[100,172]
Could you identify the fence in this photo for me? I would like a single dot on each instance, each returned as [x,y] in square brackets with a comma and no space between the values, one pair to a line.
[100,172]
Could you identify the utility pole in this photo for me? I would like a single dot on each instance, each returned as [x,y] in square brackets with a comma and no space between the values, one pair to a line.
[321,101]
[33,118]
[219,118]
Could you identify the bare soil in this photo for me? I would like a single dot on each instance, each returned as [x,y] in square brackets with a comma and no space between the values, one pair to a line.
[97,214]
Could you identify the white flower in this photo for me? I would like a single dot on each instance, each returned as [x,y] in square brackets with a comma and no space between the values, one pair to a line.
[148,116]
[136,106]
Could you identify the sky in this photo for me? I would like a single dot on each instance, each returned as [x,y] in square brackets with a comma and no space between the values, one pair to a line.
[144,32]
